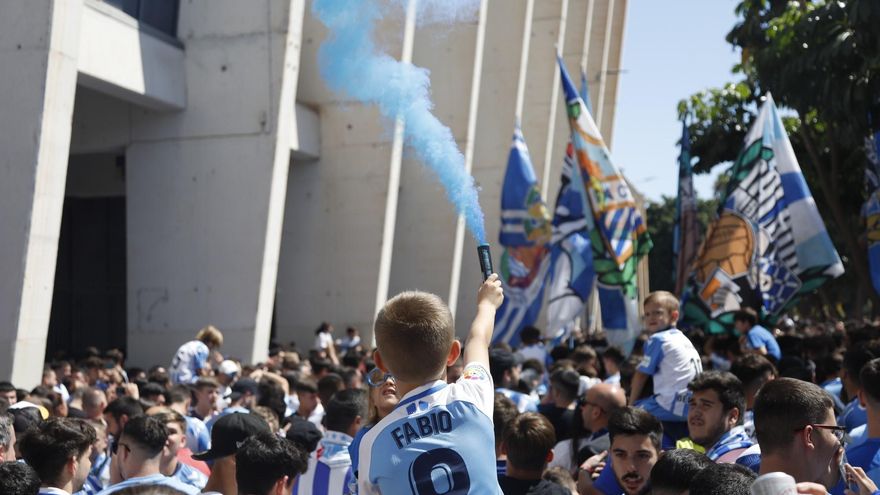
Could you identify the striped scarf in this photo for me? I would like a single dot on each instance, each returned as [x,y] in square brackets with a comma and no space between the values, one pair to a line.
[736,438]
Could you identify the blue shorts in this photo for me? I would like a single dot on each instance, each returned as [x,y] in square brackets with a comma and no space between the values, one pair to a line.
[650,404]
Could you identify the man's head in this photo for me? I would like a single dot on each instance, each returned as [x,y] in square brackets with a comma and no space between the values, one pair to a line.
[675,469]
[794,422]
[50,379]
[505,367]
[502,414]
[870,391]
[244,392]
[17,478]
[175,423]
[343,411]
[564,385]
[119,412]
[853,360]
[612,358]
[745,319]
[94,401]
[753,370]
[415,337]
[307,393]
[723,479]
[328,385]
[530,335]
[211,337]
[661,311]
[528,443]
[139,449]
[716,405]
[267,464]
[59,450]
[229,431]
[598,403]
[7,438]
[205,393]
[635,446]
[7,391]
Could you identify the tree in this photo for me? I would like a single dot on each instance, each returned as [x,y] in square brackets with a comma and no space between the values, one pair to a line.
[661,215]
[820,60]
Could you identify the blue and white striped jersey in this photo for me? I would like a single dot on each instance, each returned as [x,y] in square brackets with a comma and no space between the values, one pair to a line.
[524,402]
[189,475]
[330,474]
[672,360]
[439,439]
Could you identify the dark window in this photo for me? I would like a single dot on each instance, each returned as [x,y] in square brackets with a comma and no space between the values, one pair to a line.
[159,14]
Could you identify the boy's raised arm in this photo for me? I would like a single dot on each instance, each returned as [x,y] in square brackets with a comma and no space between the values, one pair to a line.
[489,299]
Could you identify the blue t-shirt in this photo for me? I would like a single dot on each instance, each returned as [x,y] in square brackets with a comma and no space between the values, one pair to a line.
[188,361]
[853,415]
[197,437]
[865,455]
[759,337]
[439,439]
[607,482]
[524,402]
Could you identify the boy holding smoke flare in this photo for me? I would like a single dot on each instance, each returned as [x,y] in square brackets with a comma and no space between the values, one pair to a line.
[438,438]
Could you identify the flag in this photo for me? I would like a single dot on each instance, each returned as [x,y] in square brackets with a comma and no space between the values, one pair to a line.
[572,276]
[525,235]
[871,208]
[585,91]
[685,236]
[618,234]
[768,245]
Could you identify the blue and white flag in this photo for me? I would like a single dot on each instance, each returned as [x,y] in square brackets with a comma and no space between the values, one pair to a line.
[768,245]
[871,208]
[618,234]
[686,234]
[525,235]
[572,276]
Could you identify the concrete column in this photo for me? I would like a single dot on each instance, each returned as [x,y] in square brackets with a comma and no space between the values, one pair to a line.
[206,187]
[38,46]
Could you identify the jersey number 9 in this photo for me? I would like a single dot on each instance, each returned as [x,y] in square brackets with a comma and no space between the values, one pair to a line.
[439,472]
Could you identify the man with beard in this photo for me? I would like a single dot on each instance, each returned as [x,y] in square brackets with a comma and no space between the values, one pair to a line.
[59,451]
[715,415]
[797,432]
[635,447]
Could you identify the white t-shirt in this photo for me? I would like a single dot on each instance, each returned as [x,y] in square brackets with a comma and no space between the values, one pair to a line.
[323,341]
[673,362]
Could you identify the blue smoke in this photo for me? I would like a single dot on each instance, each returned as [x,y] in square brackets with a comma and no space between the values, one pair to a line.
[351,63]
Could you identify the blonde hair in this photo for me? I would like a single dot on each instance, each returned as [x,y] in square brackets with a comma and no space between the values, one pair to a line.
[664,299]
[414,333]
[212,337]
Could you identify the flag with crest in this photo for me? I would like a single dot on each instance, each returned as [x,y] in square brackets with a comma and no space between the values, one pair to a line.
[768,245]
[525,236]
[686,234]
[572,276]
[871,208]
[618,234]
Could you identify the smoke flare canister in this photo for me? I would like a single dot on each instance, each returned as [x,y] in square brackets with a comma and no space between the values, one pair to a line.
[485,260]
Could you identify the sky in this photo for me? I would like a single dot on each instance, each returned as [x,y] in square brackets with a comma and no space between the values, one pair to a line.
[671,49]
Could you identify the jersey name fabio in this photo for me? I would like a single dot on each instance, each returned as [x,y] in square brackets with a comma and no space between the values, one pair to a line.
[439,439]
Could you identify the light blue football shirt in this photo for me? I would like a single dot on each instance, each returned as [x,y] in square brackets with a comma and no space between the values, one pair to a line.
[439,439]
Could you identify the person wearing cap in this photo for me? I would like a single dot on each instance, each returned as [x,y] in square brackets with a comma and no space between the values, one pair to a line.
[227,373]
[242,398]
[191,360]
[139,456]
[342,422]
[505,367]
[227,435]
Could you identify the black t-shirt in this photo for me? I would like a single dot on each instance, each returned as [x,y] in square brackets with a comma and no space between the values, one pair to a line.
[561,418]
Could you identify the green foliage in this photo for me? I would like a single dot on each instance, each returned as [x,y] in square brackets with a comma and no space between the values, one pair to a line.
[661,221]
[821,60]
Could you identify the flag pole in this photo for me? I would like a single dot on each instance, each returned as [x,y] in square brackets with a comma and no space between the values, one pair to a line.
[554,102]
[455,277]
[524,60]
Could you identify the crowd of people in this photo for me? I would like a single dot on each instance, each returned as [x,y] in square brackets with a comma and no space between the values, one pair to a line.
[795,406]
